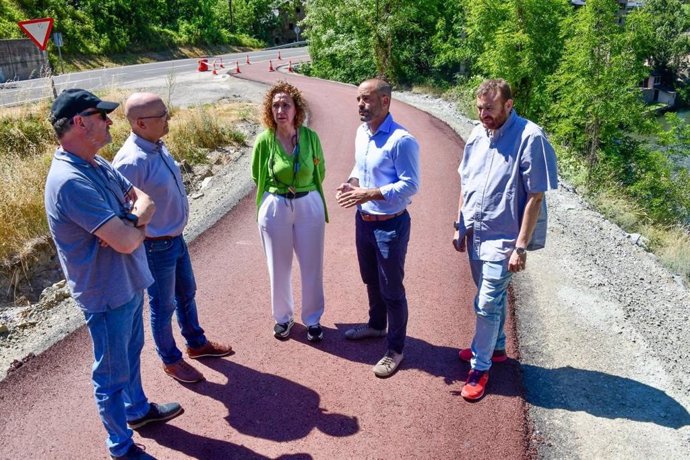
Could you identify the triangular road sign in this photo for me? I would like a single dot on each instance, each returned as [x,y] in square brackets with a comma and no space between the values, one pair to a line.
[38,30]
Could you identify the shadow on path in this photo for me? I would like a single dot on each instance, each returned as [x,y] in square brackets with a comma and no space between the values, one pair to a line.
[271,407]
[435,360]
[602,395]
[195,446]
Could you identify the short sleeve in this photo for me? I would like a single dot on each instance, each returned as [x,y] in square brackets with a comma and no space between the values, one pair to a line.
[84,205]
[538,164]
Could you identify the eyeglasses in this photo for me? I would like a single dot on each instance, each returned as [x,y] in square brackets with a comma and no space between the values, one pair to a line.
[164,114]
[104,116]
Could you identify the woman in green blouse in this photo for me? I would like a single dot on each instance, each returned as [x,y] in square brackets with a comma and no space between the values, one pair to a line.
[288,168]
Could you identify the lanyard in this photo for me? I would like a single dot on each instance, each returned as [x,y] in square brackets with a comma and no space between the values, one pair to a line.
[295,165]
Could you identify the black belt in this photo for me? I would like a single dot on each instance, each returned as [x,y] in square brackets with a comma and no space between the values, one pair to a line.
[292,196]
[159,238]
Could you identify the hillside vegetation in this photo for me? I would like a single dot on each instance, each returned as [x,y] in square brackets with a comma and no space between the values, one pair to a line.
[98,28]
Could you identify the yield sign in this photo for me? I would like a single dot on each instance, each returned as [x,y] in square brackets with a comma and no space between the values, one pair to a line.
[38,30]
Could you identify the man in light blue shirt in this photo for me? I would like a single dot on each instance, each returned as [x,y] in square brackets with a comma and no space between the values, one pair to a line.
[98,222]
[381,185]
[506,167]
[145,160]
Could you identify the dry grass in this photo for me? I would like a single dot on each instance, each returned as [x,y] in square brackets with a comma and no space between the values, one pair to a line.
[672,246]
[27,145]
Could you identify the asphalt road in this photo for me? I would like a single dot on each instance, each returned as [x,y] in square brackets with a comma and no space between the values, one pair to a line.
[28,91]
[293,399]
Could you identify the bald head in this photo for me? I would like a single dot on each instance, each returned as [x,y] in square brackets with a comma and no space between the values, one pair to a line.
[147,115]
[382,87]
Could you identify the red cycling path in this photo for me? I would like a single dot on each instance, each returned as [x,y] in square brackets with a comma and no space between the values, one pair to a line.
[294,399]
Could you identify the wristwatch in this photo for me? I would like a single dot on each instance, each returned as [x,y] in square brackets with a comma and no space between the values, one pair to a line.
[132,218]
[456,225]
[520,251]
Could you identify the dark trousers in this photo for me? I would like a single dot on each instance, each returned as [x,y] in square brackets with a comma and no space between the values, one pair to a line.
[381,250]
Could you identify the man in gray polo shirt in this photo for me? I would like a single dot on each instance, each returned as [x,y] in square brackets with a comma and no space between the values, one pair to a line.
[98,222]
[506,167]
[146,162]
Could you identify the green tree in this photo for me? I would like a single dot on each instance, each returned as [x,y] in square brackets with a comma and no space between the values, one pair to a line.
[597,101]
[254,18]
[384,37]
[518,40]
[664,24]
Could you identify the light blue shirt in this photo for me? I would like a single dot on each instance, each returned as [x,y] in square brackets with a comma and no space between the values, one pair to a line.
[79,199]
[151,168]
[388,160]
[498,171]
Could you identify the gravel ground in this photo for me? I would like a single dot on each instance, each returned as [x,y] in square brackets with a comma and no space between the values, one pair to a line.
[601,324]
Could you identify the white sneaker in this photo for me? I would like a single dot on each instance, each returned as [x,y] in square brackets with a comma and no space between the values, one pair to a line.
[388,364]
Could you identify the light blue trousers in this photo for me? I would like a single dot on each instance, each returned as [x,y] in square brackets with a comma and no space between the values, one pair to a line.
[492,280]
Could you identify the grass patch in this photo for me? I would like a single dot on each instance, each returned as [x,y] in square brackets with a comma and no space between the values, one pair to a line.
[672,246]
[27,144]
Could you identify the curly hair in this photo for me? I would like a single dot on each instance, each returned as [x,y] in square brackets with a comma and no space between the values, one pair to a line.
[283,87]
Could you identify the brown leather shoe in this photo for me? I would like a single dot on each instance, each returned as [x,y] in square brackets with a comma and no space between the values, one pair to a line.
[209,350]
[183,372]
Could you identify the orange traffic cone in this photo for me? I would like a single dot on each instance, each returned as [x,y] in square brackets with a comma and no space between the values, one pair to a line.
[279,58]
[237,67]
[215,72]
[270,66]
[221,64]
[289,66]
[248,60]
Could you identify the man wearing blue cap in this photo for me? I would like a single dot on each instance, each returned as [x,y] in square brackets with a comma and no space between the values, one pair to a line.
[98,222]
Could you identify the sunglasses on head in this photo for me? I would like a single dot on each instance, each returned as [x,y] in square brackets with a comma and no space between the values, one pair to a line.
[104,116]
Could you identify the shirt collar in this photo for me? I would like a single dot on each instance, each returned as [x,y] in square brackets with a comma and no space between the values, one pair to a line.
[510,121]
[147,146]
[384,127]
[64,155]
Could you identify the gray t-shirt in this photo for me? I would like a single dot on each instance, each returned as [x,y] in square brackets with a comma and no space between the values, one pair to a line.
[79,199]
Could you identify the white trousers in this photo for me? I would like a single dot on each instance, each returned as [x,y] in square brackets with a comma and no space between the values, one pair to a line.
[294,225]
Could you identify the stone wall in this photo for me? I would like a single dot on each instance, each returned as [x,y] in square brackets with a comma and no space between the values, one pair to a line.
[21,60]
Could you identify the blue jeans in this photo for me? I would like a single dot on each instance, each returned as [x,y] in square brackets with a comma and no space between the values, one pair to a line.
[381,250]
[492,280]
[118,337]
[172,291]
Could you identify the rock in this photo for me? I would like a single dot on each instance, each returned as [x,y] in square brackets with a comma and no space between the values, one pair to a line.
[53,295]
[638,239]
[197,195]
[206,182]
[4,329]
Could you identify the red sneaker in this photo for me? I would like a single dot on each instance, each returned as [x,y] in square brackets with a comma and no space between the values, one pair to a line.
[475,385]
[499,356]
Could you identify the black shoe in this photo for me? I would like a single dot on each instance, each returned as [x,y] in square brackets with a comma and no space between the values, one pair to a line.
[314,333]
[134,453]
[282,330]
[157,413]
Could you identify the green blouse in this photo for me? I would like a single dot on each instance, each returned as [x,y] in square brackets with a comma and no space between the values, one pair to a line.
[273,169]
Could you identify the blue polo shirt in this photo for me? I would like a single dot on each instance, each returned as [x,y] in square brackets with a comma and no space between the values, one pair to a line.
[498,171]
[388,160]
[79,199]
[151,168]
